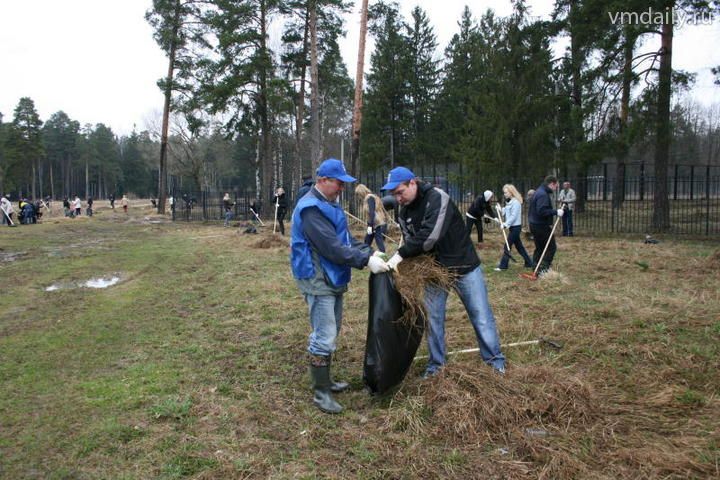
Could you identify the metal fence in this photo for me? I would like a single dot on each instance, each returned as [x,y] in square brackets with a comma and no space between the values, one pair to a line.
[606,206]
[191,206]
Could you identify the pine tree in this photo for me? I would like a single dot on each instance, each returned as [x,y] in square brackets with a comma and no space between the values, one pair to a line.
[60,142]
[423,84]
[25,142]
[386,116]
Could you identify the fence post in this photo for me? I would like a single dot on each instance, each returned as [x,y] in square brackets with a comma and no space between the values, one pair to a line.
[605,190]
[692,181]
[707,200]
[675,182]
[642,181]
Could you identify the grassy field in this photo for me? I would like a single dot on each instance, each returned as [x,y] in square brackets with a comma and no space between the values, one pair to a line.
[194,364]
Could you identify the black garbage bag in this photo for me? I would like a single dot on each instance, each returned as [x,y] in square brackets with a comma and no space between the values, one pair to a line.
[391,344]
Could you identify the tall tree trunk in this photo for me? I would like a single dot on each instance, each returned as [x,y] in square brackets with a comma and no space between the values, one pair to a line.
[314,87]
[263,108]
[357,108]
[162,187]
[300,107]
[629,49]
[52,182]
[34,173]
[661,204]
[258,183]
[578,130]
[87,178]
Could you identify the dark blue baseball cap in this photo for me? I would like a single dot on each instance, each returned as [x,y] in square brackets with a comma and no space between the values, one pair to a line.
[334,168]
[397,176]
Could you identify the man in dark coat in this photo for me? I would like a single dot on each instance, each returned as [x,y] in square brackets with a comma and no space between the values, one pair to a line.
[540,217]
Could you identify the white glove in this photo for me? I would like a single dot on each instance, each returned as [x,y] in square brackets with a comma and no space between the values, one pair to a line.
[377,264]
[560,212]
[505,225]
[394,261]
[378,253]
[369,230]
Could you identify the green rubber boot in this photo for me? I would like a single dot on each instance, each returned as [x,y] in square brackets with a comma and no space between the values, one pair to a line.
[323,399]
[336,387]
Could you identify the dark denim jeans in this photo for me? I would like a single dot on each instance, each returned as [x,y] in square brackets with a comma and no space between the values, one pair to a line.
[567,221]
[473,293]
[514,239]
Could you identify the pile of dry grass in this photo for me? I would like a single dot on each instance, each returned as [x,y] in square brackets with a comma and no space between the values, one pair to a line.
[530,410]
[413,275]
[270,242]
[713,261]
[472,401]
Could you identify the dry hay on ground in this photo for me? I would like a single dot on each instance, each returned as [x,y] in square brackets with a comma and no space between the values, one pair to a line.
[528,413]
[270,241]
[554,276]
[713,261]
[413,275]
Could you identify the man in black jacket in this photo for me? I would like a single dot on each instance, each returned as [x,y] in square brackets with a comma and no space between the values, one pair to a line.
[432,224]
[540,217]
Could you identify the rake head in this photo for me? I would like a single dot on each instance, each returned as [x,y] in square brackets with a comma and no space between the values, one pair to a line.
[529,276]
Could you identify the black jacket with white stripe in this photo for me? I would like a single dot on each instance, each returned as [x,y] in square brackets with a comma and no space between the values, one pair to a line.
[433,224]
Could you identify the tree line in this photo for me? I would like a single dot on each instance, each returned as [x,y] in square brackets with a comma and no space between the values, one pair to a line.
[245,109]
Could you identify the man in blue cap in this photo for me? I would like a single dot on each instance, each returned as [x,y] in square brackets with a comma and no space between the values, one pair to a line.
[432,224]
[322,254]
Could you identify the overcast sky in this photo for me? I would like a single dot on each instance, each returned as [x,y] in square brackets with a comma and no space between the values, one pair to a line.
[97,61]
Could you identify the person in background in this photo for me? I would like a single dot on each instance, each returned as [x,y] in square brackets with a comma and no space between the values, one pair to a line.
[432,224]
[66,207]
[227,209]
[77,205]
[478,209]
[377,217]
[305,187]
[280,203]
[112,201]
[540,218]
[322,255]
[124,202]
[254,212]
[512,211]
[7,211]
[89,210]
[566,199]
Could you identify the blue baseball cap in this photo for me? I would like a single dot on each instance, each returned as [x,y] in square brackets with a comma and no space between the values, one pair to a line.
[397,176]
[334,168]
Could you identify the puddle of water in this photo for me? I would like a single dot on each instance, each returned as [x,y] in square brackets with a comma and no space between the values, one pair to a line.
[11,256]
[101,282]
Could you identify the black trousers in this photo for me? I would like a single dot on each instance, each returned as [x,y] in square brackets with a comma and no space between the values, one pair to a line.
[541,234]
[281,221]
[469,223]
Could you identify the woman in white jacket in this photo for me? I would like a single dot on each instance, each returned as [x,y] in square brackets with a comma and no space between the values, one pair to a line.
[512,212]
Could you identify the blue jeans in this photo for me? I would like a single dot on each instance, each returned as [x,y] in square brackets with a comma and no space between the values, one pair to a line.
[567,222]
[473,293]
[228,216]
[514,239]
[325,320]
